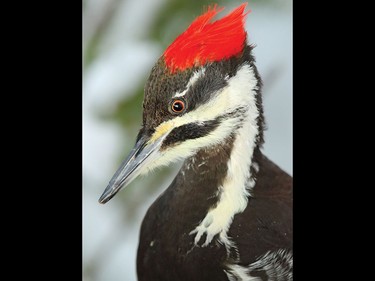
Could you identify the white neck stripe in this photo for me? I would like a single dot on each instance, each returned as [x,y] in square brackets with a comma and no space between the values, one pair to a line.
[237,184]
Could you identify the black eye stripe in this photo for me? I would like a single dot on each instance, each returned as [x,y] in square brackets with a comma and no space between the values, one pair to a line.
[190,131]
[201,129]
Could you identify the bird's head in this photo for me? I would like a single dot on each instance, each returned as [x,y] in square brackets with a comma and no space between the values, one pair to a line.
[200,91]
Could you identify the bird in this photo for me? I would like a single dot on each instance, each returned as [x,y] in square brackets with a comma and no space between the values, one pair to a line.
[228,213]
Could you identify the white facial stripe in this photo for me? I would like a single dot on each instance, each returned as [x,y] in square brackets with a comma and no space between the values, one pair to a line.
[235,95]
[239,92]
[188,147]
[235,189]
[194,78]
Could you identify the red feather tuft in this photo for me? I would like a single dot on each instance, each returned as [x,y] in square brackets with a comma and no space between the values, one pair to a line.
[204,41]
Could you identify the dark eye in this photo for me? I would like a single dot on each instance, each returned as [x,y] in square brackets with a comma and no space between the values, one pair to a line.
[178,106]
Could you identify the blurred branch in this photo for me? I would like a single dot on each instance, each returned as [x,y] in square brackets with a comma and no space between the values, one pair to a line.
[94,39]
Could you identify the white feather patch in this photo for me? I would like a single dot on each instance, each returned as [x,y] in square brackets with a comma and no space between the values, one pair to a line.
[237,184]
[277,265]
[194,78]
[239,273]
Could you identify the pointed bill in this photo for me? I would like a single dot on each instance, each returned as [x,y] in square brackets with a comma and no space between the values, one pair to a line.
[143,153]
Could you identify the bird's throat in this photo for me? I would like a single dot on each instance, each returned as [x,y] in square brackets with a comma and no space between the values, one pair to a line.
[221,178]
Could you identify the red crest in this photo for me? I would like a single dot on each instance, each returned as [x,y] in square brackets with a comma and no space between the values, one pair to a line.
[205,41]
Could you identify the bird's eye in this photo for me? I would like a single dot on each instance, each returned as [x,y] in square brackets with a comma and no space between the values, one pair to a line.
[178,106]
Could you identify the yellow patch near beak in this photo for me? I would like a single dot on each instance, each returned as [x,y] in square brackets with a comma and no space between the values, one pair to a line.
[161,130]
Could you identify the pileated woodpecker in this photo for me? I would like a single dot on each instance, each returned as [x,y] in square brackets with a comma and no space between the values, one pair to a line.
[227,215]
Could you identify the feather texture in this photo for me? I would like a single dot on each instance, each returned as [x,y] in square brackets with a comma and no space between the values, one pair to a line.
[204,42]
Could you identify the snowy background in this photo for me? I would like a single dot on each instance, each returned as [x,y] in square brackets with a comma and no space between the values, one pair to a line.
[121,41]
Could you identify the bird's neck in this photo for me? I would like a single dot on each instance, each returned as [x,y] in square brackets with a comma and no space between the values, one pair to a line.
[227,171]
[216,182]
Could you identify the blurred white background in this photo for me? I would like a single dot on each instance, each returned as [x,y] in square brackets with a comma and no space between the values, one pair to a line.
[121,41]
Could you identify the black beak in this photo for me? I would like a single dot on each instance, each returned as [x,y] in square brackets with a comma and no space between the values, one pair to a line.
[141,155]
